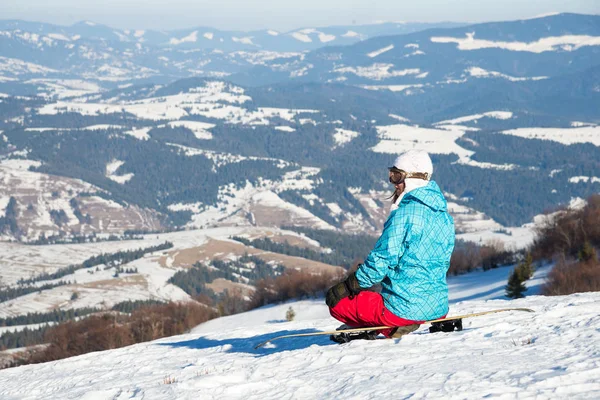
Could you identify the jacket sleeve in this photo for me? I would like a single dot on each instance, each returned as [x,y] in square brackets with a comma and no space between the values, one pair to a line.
[387,252]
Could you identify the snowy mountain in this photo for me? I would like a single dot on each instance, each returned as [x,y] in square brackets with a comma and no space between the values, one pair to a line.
[103,140]
[550,354]
[196,38]
[93,51]
[514,51]
[386,56]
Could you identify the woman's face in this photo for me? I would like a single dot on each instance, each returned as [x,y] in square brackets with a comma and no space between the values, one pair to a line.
[397,177]
[400,187]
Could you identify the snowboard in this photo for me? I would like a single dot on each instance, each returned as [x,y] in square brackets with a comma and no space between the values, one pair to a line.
[376,328]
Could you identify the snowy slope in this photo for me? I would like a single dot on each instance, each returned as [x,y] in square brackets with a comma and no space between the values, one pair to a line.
[550,354]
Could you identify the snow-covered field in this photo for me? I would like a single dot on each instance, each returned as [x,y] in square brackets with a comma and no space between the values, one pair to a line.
[567,136]
[100,288]
[552,354]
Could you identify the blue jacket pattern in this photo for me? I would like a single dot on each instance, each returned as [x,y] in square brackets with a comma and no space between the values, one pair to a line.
[412,256]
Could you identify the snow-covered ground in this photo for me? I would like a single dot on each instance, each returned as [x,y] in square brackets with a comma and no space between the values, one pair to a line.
[552,354]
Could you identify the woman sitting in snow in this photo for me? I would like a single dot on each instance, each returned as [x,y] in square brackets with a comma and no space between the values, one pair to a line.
[410,259]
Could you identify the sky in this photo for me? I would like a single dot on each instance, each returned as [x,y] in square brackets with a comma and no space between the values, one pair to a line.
[281,15]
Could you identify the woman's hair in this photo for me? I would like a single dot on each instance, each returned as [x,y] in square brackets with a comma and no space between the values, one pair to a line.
[394,196]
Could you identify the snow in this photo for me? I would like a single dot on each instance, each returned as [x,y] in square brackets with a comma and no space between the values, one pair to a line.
[101,127]
[334,208]
[554,172]
[344,136]
[377,71]
[18,328]
[324,38]
[482,73]
[579,124]
[199,128]
[351,34]
[139,33]
[474,226]
[515,238]
[205,100]
[399,118]
[3,204]
[209,35]
[221,159]
[271,199]
[192,37]
[285,128]
[263,57]
[396,139]
[585,179]
[567,136]
[18,67]
[487,165]
[552,43]
[301,72]
[552,353]
[301,37]
[380,51]
[100,288]
[577,203]
[273,33]
[62,88]
[59,36]
[139,133]
[393,88]
[490,114]
[243,40]
[235,201]
[111,169]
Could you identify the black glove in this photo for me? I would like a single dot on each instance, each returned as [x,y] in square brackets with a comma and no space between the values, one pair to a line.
[346,288]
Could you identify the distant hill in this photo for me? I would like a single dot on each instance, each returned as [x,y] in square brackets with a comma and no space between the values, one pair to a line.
[210,137]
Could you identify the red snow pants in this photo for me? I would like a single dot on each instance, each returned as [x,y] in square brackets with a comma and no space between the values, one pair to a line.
[367,309]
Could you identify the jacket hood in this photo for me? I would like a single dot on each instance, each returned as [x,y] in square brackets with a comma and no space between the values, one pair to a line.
[430,195]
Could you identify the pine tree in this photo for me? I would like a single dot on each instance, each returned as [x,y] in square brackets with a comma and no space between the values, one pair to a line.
[526,267]
[515,287]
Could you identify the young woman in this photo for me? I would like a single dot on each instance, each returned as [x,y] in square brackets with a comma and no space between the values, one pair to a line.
[410,259]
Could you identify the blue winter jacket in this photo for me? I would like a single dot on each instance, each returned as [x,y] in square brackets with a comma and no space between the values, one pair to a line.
[412,256]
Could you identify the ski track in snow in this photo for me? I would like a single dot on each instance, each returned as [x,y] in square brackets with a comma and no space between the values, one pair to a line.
[552,354]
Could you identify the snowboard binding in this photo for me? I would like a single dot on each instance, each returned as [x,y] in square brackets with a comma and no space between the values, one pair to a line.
[345,337]
[446,326]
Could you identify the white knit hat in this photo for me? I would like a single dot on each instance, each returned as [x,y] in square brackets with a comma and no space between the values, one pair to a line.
[414,161]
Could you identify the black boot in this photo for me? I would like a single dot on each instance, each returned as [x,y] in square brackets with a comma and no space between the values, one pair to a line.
[446,326]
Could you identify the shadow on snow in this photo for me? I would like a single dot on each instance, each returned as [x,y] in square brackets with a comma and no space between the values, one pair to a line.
[246,345]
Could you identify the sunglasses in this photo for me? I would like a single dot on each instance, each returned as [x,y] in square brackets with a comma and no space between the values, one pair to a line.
[397,176]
